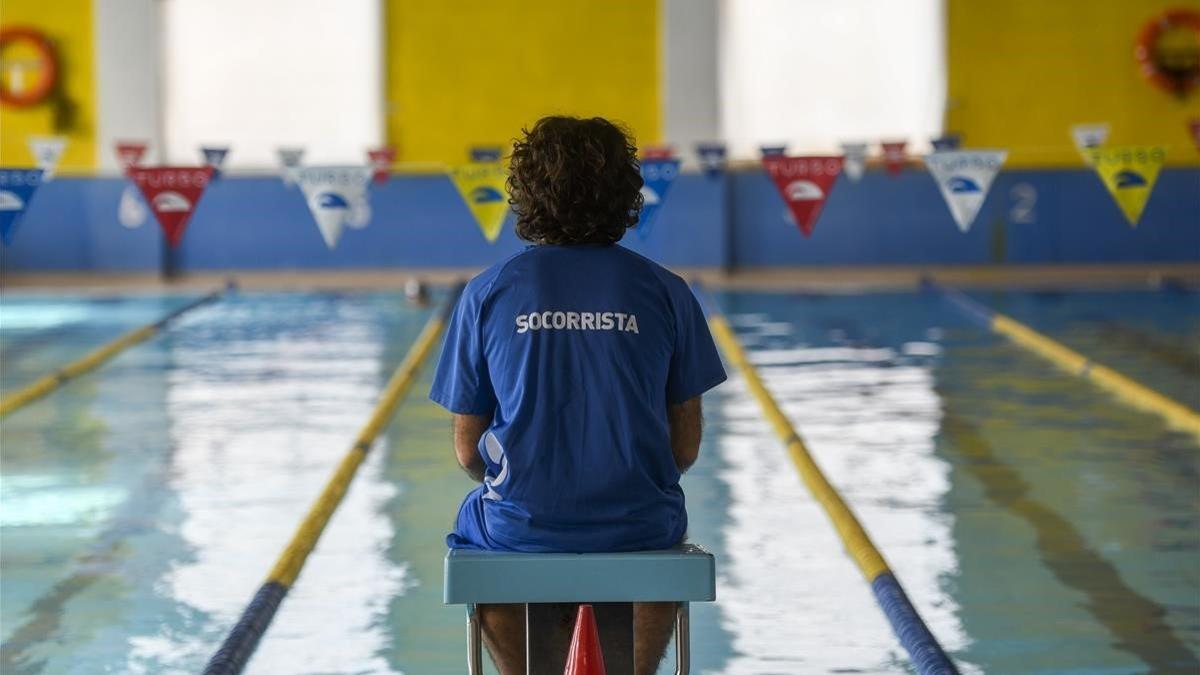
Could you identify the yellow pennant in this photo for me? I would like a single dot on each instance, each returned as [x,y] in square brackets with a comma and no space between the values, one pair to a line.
[481,185]
[1129,174]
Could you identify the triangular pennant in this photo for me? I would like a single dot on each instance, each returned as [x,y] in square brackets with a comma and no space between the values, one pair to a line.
[480,154]
[1194,128]
[712,158]
[481,186]
[1129,173]
[47,151]
[289,161]
[381,159]
[772,150]
[657,177]
[854,160]
[1086,136]
[16,189]
[946,142]
[894,156]
[332,192]
[172,193]
[804,183]
[130,153]
[214,155]
[964,178]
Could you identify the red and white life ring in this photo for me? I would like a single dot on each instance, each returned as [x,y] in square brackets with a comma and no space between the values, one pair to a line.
[1162,75]
[46,64]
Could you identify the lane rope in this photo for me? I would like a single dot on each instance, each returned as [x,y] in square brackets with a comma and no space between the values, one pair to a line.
[926,653]
[1125,389]
[94,359]
[243,638]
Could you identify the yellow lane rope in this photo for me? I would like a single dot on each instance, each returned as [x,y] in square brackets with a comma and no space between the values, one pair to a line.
[854,537]
[1124,388]
[48,383]
[291,561]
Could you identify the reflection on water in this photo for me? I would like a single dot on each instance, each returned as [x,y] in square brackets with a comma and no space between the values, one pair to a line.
[868,413]
[1037,525]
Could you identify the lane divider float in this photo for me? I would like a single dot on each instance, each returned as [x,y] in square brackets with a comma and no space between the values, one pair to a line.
[926,653]
[243,638]
[48,383]
[1125,389]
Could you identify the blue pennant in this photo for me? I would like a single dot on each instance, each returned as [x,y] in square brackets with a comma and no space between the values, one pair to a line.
[16,189]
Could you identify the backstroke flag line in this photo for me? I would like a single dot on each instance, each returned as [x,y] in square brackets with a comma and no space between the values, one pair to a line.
[1087,136]
[1129,173]
[47,151]
[132,211]
[964,178]
[893,156]
[16,189]
[381,159]
[804,183]
[712,158]
[946,142]
[481,186]
[289,161]
[214,155]
[854,160]
[172,192]
[658,174]
[332,193]
[130,153]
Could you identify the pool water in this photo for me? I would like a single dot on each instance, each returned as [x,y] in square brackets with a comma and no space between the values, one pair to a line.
[1039,525]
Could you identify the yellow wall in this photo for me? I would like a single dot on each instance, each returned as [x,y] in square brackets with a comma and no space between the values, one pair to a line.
[1022,71]
[475,71]
[68,23]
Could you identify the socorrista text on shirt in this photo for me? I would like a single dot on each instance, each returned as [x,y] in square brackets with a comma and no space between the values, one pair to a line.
[553,320]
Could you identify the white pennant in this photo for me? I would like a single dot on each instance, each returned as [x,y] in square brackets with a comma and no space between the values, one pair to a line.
[332,193]
[1089,135]
[47,150]
[854,160]
[964,177]
[289,160]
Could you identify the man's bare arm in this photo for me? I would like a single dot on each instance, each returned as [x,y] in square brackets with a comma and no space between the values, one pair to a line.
[685,421]
[468,429]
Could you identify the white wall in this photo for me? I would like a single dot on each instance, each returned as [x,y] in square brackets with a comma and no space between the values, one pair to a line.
[263,73]
[812,73]
[691,104]
[127,78]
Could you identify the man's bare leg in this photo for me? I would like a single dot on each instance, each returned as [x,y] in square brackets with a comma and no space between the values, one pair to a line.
[653,623]
[504,635]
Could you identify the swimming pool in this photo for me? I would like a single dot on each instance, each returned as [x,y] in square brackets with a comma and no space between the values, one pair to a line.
[1038,525]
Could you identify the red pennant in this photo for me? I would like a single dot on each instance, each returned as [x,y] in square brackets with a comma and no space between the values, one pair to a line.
[893,156]
[172,193]
[381,160]
[804,183]
[1194,126]
[129,153]
[585,657]
[657,152]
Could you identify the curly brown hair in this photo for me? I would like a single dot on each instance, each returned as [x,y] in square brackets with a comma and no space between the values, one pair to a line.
[574,181]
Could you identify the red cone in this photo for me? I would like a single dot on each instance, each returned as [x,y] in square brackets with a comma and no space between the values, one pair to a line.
[585,657]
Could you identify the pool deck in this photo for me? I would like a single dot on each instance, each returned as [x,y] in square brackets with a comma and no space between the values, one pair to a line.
[820,279]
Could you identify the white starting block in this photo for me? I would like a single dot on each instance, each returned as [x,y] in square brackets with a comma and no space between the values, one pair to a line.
[683,574]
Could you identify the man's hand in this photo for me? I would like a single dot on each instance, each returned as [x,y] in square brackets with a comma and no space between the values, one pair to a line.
[468,429]
[685,421]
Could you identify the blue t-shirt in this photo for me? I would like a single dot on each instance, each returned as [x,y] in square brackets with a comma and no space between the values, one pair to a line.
[576,351]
